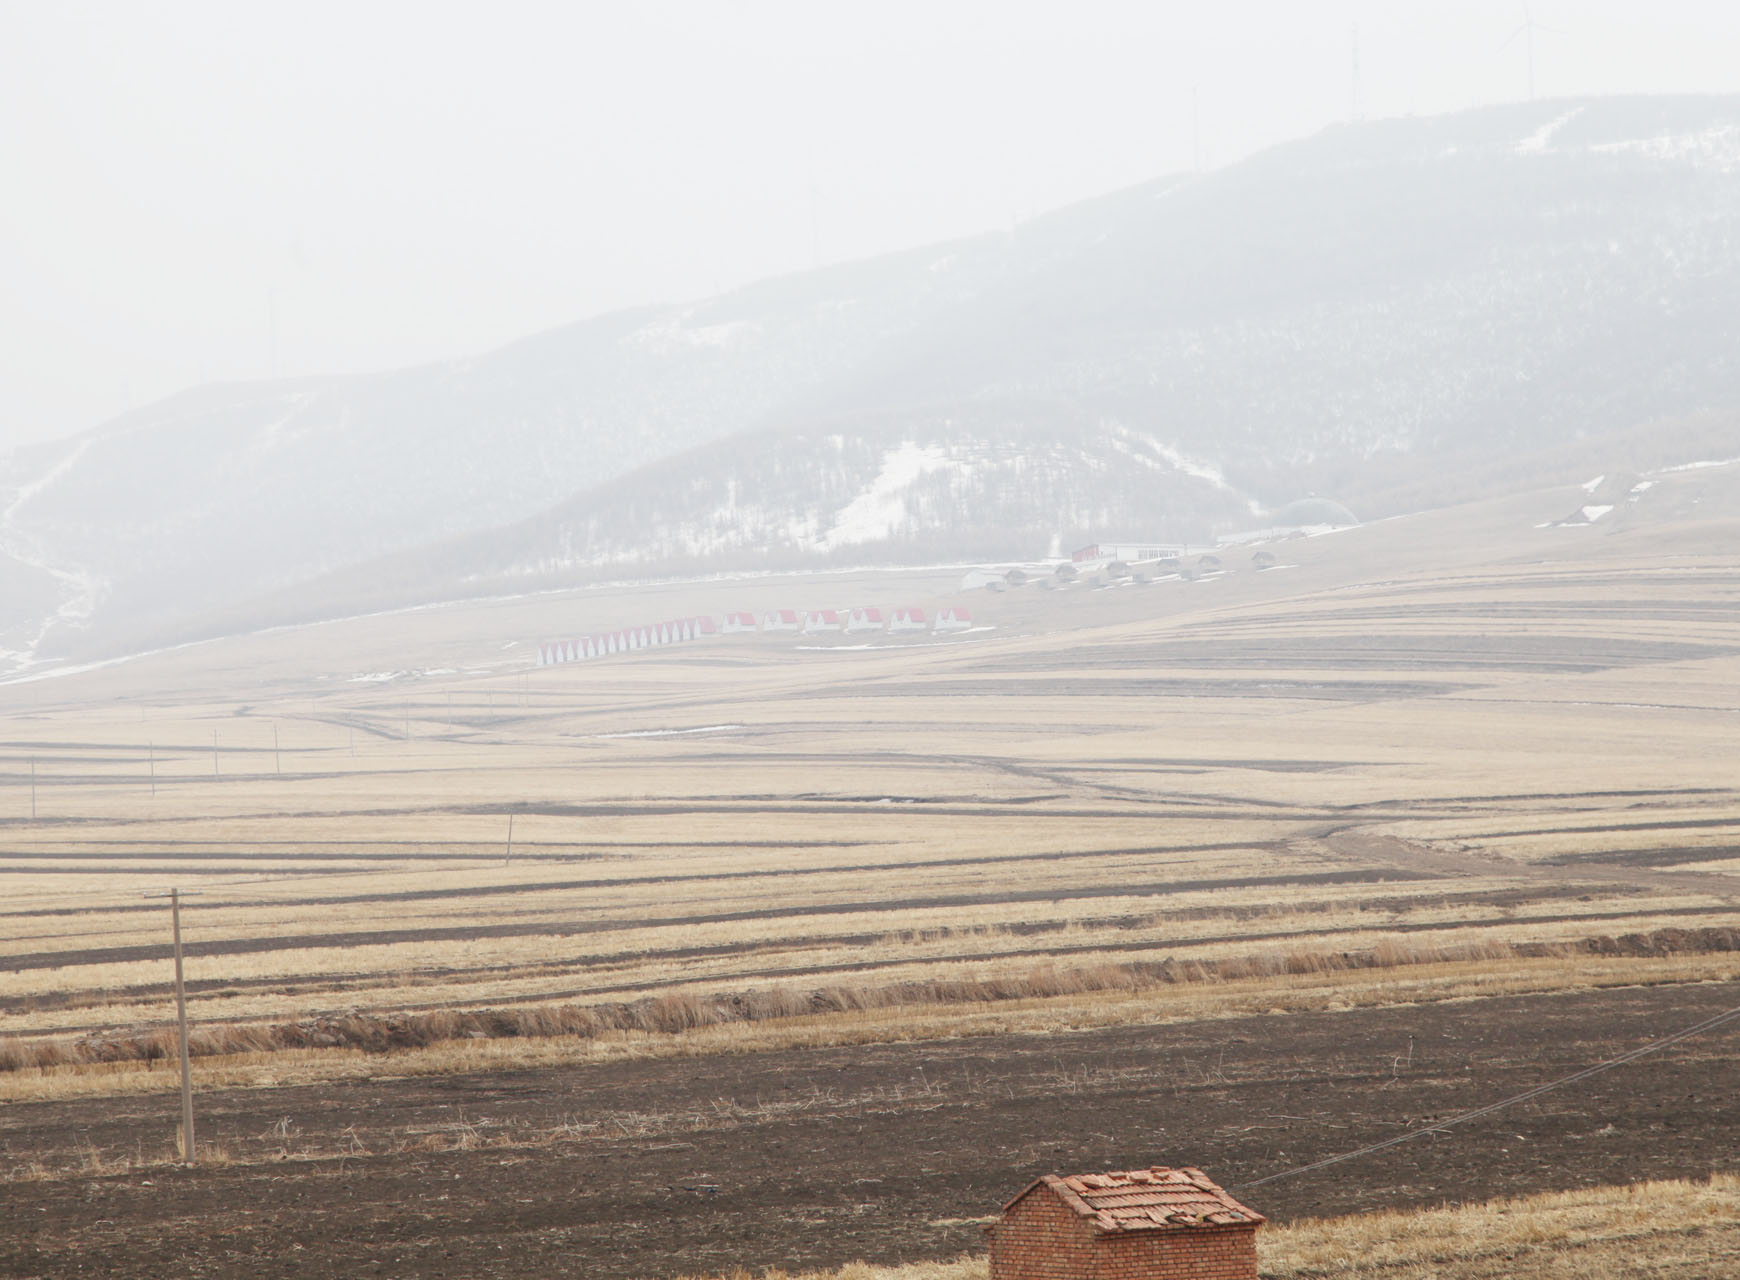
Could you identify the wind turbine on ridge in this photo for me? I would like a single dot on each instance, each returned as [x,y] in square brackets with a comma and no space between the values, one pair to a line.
[1527,32]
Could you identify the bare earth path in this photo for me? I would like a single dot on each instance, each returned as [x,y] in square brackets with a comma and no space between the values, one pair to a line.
[1369,845]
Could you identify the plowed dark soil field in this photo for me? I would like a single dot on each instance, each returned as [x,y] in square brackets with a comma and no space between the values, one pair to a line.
[886,1152]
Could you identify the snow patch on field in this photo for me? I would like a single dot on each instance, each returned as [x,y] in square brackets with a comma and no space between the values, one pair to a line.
[663,733]
[1582,516]
[938,638]
[387,677]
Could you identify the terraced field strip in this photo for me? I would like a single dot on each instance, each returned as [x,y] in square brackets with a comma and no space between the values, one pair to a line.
[1142,785]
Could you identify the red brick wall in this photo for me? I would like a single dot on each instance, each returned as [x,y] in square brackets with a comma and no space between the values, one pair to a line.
[1199,1253]
[1041,1238]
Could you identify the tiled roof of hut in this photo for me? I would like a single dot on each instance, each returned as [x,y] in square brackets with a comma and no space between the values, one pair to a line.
[1156,1199]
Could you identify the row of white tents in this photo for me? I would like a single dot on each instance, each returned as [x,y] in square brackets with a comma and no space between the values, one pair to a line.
[605,643]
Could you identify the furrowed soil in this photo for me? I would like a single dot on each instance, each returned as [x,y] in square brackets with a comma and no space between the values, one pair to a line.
[887,1153]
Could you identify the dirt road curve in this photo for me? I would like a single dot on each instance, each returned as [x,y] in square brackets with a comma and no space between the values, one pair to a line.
[883,1153]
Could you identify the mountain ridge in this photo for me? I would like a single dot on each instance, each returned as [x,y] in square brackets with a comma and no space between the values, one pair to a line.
[1351,314]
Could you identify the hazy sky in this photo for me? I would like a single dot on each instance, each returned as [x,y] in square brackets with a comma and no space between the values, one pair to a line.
[387,183]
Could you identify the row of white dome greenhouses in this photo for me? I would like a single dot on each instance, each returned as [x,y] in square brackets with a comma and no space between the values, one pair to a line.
[791,621]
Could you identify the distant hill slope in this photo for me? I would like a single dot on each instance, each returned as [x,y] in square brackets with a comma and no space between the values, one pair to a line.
[1370,313]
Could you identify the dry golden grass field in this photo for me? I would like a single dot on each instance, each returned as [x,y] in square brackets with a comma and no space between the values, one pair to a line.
[1660,1229]
[1456,760]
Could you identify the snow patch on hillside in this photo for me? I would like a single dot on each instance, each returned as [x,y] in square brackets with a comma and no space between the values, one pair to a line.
[675,332]
[81,590]
[1537,141]
[881,509]
[1695,466]
[1164,456]
[27,491]
[1175,459]
[274,433]
[1716,149]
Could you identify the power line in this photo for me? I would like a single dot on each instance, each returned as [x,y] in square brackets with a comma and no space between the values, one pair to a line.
[1709,1024]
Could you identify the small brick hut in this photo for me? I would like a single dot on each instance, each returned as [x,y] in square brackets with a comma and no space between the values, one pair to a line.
[1147,1224]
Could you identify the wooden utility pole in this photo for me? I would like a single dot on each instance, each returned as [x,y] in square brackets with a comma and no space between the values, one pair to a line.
[277,760]
[187,1147]
[510,848]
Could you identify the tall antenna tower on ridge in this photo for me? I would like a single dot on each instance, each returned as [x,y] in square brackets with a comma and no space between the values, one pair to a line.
[1357,107]
[272,332]
[815,222]
[1195,129]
